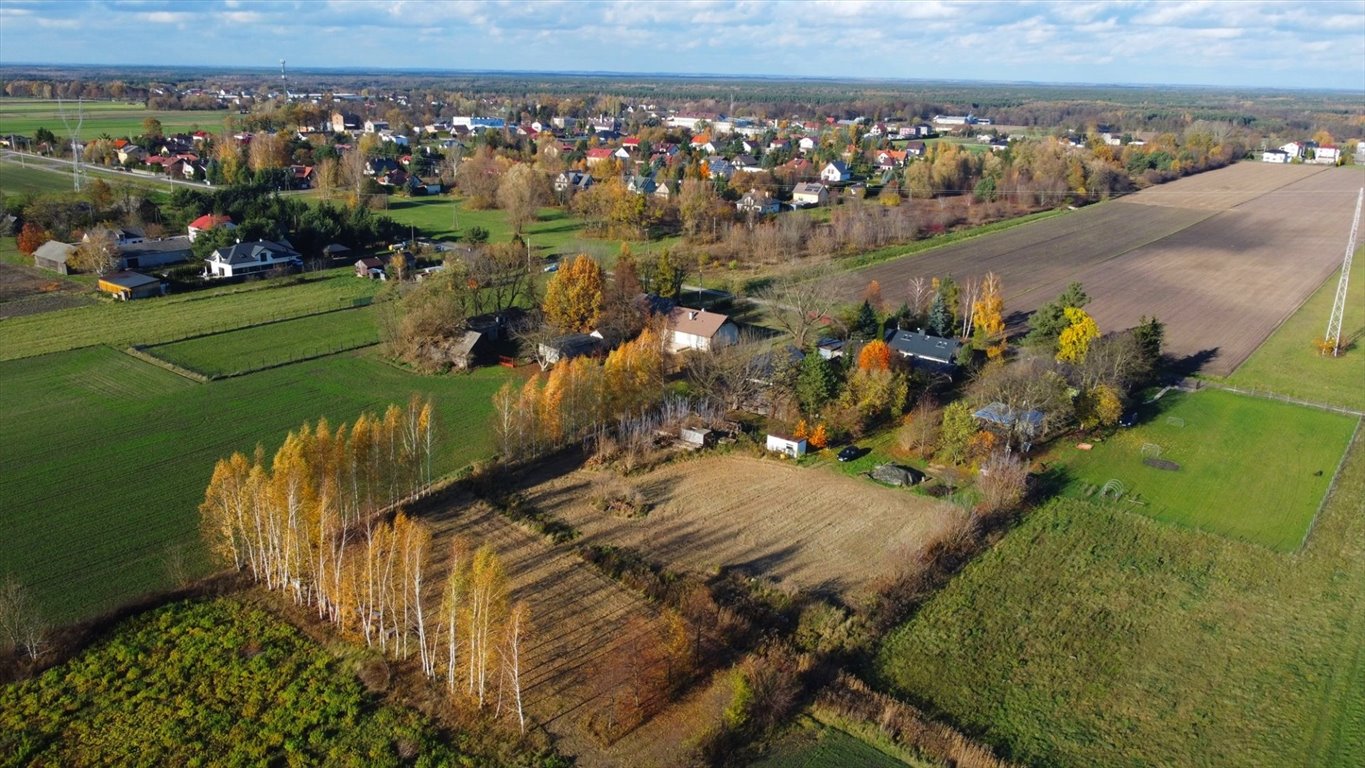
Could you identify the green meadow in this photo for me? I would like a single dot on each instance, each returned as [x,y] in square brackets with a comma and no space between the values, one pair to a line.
[263,346]
[1248,468]
[107,456]
[25,116]
[1095,636]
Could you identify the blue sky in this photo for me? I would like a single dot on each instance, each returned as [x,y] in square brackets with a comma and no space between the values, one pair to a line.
[1248,43]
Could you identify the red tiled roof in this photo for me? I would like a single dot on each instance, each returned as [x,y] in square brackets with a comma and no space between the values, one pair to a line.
[209,221]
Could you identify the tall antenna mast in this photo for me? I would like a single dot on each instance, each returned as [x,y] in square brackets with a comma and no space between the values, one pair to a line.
[75,134]
[1333,336]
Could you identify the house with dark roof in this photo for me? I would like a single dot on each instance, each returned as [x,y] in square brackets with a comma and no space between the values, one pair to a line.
[572,181]
[130,285]
[157,252]
[250,259]
[926,352]
[835,172]
[570,346]
[641,185]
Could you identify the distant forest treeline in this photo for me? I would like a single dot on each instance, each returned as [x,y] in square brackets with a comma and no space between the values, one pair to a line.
[1071,107]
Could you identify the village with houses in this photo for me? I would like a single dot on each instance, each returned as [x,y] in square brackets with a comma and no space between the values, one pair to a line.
[677,424]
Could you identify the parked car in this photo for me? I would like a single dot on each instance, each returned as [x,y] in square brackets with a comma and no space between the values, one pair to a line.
[850,453]
[1128,419]
[551,267]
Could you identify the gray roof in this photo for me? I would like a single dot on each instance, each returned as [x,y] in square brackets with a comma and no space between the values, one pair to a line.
[922,346]
[129,280]
[466,343]
[576,345]
[808,188]
[243,253]
[162,246]
[1005,416]
[54,250]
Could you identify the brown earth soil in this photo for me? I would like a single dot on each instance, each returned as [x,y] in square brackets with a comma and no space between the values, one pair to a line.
[1222,258]
[27,291]
[811,528]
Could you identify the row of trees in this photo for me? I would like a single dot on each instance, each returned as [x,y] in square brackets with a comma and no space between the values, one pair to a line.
[319,522]
[579,397]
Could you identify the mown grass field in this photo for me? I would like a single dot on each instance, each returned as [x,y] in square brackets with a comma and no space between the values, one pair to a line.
[813,744]
[25,116]
[1091,636]
[251,349]
[179,316]
[1251,469]
[18,179]
[1288,364]
[107,457]
[212,682]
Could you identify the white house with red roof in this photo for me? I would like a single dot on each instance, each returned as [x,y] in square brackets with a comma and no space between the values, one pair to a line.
[209,221]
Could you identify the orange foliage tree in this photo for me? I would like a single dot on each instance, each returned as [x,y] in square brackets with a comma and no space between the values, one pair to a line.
[31,237]
[875,356]
[573,298]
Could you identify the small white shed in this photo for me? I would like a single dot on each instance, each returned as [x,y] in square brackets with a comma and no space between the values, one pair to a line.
[788,446]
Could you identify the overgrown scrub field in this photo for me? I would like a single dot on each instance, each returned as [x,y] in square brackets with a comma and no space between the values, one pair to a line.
[1220,268]
[584,623]
[215,682]
[107,457]
[1091,636]
[262,346]
[149,321]
[25,116]
[1288,363]
[1252,469]
[810,526]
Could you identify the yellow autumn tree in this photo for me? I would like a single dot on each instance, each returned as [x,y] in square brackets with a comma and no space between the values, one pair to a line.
[988,318]
[1075,340]
[573,298]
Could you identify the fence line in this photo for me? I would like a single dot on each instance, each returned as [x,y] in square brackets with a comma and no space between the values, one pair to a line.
[1331,487]
[1268,395]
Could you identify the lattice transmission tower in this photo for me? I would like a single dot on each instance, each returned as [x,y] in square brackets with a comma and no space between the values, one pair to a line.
[1333,336]
[75,134]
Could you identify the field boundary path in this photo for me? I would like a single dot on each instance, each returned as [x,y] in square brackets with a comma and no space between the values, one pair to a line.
[151,359]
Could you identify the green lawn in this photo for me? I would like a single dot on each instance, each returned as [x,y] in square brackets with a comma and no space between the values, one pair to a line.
[106,457]
[252,349]
[18,179]
[150,321]
[810,743]
[25,116]
[1091,636]
[211,683]
[1251,469]
[1287,363]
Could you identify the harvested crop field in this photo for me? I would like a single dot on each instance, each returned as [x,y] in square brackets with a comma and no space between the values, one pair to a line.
[811,527]
[1222,258]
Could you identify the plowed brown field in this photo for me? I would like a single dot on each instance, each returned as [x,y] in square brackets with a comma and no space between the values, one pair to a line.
[1221,258]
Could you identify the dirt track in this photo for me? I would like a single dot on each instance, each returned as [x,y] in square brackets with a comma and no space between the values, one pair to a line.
[813,528]
[1221,258]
